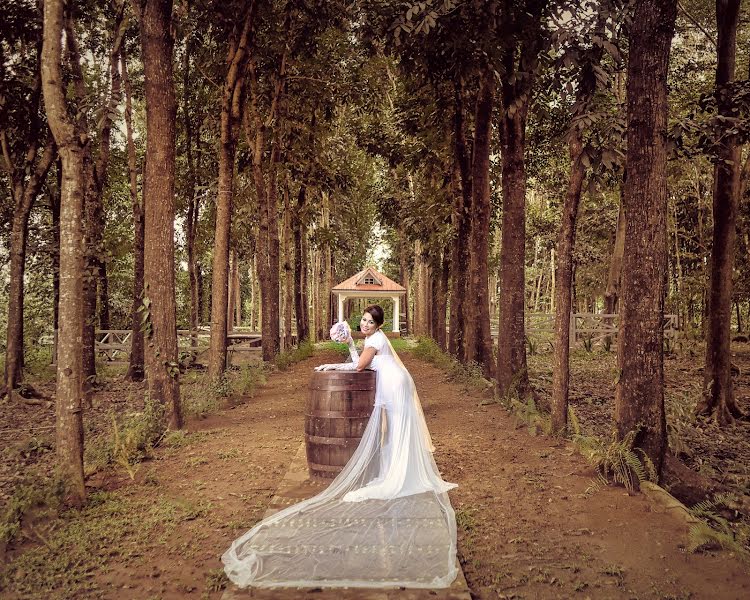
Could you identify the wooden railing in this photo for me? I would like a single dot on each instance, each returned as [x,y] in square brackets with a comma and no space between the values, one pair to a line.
[589,328]
[114,344]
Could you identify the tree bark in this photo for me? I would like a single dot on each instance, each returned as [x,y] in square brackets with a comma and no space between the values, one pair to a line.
[564,279]
[404,277]
[24,194]
[512,374]
[639,399]
[136,359]
[55,209]
[478,343]
[462,210]
[718,390]
[159,203]
[288,268]
[26,180]
[441,299]
[300,267]
[104,322]
[612,293]
[267,246]
[231,117]
[193,208]
[70,140]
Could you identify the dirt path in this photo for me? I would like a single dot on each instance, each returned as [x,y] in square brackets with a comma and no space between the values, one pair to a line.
[525,528]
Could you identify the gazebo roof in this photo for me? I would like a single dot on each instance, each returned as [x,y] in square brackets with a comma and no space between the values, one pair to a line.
[356,283]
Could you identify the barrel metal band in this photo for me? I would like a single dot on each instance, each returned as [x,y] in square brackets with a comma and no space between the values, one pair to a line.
[339,414]
[343,388]
[332,441]
[329,468]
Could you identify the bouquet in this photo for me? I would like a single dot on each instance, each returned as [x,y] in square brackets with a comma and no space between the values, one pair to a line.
[340,332]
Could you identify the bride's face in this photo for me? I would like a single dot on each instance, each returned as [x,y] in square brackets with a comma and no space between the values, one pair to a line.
[367,324]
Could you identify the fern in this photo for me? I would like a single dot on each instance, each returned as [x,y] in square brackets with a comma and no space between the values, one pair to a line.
[617,461]
[713,530]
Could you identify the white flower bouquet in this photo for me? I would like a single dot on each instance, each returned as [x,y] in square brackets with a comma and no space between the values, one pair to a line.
[340,332]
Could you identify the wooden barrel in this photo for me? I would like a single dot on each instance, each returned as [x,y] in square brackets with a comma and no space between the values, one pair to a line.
[339,405]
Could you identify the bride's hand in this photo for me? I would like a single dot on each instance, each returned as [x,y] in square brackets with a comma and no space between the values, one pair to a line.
[326,367]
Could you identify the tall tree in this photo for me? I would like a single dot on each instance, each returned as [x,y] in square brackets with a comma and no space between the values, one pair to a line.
[264,176]
[232,106]
[589,59]
[525,37]
[718,391]
[477,341]
[70,140]
[26,158]
[639,399]
[462,202]
[301,305]
[136,358]
[159,203]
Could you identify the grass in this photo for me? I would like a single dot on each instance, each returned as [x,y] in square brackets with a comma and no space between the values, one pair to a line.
[286,359]
[111,529]
[469,375]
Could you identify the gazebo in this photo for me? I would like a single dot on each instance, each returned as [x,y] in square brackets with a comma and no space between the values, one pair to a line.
[369,283]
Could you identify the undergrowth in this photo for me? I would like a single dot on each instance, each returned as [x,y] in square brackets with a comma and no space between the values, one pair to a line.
[111,529]
[36,492]
[287,358]
[713,530]
[469,375]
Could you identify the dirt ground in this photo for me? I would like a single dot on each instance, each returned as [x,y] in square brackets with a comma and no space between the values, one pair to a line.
[526,527]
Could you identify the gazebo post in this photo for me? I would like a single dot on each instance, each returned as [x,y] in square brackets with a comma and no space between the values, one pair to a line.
[341,299]
[396,314]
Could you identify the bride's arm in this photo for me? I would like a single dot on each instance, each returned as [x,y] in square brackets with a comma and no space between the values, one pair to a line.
[366,358]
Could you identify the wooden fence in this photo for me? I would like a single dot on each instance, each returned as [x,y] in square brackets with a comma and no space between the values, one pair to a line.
[586,328]
[114,344]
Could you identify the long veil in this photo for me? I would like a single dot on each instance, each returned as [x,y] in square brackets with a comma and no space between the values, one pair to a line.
[384,521]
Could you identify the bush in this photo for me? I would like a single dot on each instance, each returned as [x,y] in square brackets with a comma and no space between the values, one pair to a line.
[286,359]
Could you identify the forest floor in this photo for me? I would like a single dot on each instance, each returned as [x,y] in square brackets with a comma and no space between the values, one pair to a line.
[528,527]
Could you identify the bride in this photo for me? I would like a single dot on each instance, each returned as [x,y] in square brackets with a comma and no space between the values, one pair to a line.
[385,521]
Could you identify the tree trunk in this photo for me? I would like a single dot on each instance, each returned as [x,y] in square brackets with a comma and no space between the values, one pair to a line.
[462,209]
[441,299]
[326,271]
[288,268]
[478,341]
[69,139]
[136,359]
[24,194]
[231,117]
[300,267]
[564,279]
[403,273]
[237,292]
[639,399]
[193,208]
[512,374]
[272,310]
[612,293]
[159,181]
[104,322]
[96,180]
[267,248]
[55,206]
[232,291]
[718,390]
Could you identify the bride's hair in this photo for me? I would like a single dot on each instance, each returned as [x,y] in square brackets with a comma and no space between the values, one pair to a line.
[376,312]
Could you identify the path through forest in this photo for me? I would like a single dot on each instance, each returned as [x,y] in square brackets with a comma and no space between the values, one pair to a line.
[526,529]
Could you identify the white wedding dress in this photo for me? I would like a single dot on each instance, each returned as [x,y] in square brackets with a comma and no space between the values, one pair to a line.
[385,521]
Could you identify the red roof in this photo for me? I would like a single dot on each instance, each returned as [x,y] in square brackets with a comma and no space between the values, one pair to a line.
[354,283]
